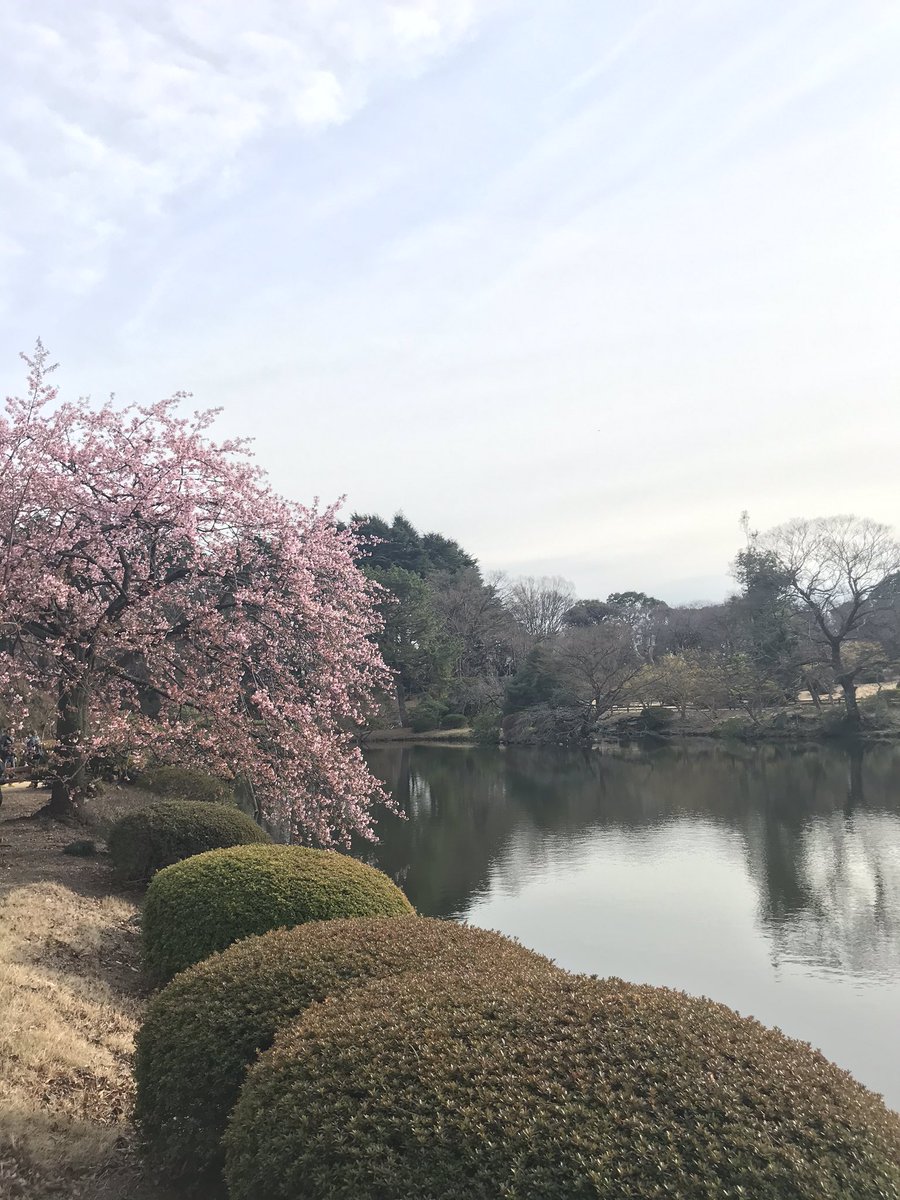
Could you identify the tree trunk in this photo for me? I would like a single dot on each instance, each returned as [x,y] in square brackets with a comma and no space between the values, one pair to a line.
[855,794]
[401,704]
[70,778]
[812,686]
[848,687]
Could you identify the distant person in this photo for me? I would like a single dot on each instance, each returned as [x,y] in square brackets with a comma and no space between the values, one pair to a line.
[7,754]
[35,756]
[34,750]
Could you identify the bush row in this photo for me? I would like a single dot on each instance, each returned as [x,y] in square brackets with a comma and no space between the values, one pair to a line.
[186,783]
[486,1085]
[204,1030]
[413,1057]
[203,904]
[143,842]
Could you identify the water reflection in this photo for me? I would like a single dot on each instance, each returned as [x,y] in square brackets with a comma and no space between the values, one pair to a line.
[848,880]
[768,877]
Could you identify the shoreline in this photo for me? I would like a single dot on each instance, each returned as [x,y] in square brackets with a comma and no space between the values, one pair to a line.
[604,736]
[384,737]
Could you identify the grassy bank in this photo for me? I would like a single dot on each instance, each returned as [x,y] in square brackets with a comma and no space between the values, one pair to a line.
[799,722]
[72,995]
[373,737]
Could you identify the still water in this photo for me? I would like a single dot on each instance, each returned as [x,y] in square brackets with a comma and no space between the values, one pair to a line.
[767,878]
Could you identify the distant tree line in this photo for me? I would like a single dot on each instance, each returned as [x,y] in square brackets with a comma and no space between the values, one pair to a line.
[816,608]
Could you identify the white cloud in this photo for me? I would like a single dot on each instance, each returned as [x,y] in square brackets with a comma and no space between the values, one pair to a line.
[113,112]
[415,23]
[321,102]
[609,276]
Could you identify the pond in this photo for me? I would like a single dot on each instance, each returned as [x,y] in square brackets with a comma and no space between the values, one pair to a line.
[764,877]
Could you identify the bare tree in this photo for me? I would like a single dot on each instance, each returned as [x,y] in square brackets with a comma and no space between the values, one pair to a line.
[839,569]
[595,665]
[680,680]
[643,614]
[539,604]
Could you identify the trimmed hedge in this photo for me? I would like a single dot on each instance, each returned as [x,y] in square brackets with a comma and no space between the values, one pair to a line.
[202,1031]
[143,842]
[186,783]
[205,903]
[561,1088]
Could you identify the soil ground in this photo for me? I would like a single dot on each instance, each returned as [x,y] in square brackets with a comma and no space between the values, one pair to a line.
[71,993]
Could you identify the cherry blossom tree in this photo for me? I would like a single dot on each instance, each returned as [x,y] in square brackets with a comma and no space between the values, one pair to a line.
[176,608]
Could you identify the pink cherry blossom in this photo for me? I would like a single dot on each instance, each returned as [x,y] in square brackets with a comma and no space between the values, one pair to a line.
[175,607]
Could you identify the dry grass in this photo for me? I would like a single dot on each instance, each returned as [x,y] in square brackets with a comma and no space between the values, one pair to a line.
[373,737]
[66,1036]
[863,692]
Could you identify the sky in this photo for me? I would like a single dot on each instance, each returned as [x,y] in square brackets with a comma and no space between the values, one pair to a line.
[573,283]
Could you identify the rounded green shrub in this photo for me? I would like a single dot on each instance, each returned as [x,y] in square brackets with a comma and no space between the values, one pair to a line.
[143,842]
[205,903]
[202,1031]
[454,721]
[556,1088]
[186,783]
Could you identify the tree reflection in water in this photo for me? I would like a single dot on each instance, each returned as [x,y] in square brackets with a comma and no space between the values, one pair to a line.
[821,827]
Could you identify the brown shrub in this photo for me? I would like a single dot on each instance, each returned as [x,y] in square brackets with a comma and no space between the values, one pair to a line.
[210,1023]
[551,1088]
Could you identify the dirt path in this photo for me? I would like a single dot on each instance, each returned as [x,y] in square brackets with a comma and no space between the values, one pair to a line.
[72,993]
[31,850]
